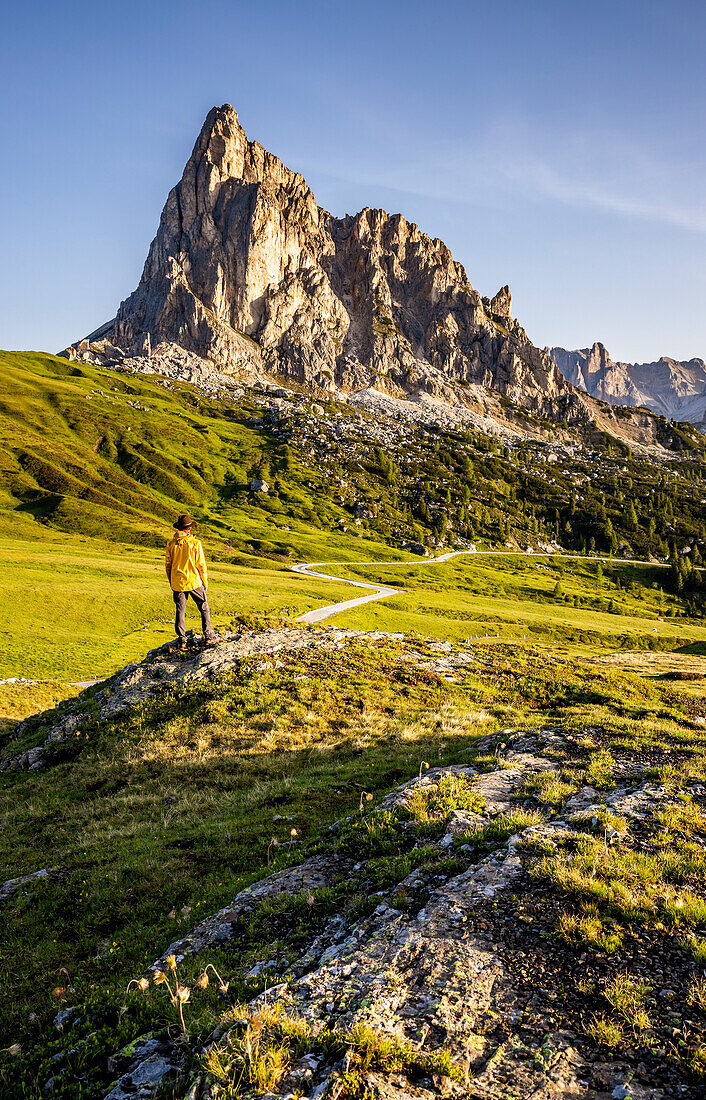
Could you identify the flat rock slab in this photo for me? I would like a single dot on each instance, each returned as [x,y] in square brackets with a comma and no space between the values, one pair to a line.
[500,789]
[152,1066]
[639,803]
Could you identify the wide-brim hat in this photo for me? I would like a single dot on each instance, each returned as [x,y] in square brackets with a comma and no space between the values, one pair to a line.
[183,523]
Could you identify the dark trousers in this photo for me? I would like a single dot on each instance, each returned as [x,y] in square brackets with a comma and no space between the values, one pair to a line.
[198,595]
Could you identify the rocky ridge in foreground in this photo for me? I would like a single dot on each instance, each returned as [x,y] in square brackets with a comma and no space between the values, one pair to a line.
[452,968]
[523,919]
[138,683]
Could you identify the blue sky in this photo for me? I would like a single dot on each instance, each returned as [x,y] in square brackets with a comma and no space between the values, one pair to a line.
[555,146]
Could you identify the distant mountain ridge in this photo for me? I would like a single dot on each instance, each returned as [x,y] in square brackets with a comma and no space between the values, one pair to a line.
[668,387]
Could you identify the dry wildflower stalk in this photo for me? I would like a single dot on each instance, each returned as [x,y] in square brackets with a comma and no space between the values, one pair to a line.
[141,983]
[222,986]
[179,994]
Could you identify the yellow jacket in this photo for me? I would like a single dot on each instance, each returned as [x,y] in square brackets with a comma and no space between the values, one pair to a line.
[185,563]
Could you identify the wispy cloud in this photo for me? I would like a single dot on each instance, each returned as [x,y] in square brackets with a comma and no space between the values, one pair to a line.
[620,180]
[509,162]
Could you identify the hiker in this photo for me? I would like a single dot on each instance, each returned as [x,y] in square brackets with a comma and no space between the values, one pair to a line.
[187,574]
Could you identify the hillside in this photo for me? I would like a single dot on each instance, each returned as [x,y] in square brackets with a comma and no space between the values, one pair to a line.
[454,868]
[107,453]
[94,452]
[407,868]
[96,461]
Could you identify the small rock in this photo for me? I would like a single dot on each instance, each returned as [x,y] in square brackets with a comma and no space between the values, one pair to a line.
[153,1073]
[66,1017]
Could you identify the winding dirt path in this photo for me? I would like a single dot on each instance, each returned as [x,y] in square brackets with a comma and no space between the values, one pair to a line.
[381,592]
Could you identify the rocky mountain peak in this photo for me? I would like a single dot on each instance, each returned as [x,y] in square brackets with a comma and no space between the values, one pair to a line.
[221,139]
[247,276]
[501,304]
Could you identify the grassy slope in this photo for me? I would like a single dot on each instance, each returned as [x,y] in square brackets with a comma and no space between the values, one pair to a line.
[92,471]
[100,454]
[109,459]
[616,606]
[87,607]
[173,808]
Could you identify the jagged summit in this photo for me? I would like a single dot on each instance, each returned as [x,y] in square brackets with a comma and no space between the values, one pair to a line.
[248,274]
[668,387]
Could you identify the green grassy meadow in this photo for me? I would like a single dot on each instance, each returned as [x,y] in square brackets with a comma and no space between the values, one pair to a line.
[574,605]
[99,454]
[82,608]
[95,465]
[173,808]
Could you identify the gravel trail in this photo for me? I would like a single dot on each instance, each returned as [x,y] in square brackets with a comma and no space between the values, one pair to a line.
[381,592]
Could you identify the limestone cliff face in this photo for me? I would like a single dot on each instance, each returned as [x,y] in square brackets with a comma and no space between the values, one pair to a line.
[248,273]
[668,387]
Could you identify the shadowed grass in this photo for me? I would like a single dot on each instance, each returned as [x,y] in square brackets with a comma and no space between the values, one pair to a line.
[161,816]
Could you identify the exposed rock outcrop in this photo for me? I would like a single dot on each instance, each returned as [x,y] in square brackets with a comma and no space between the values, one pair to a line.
[668,387]
[248,276]
[441,963]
